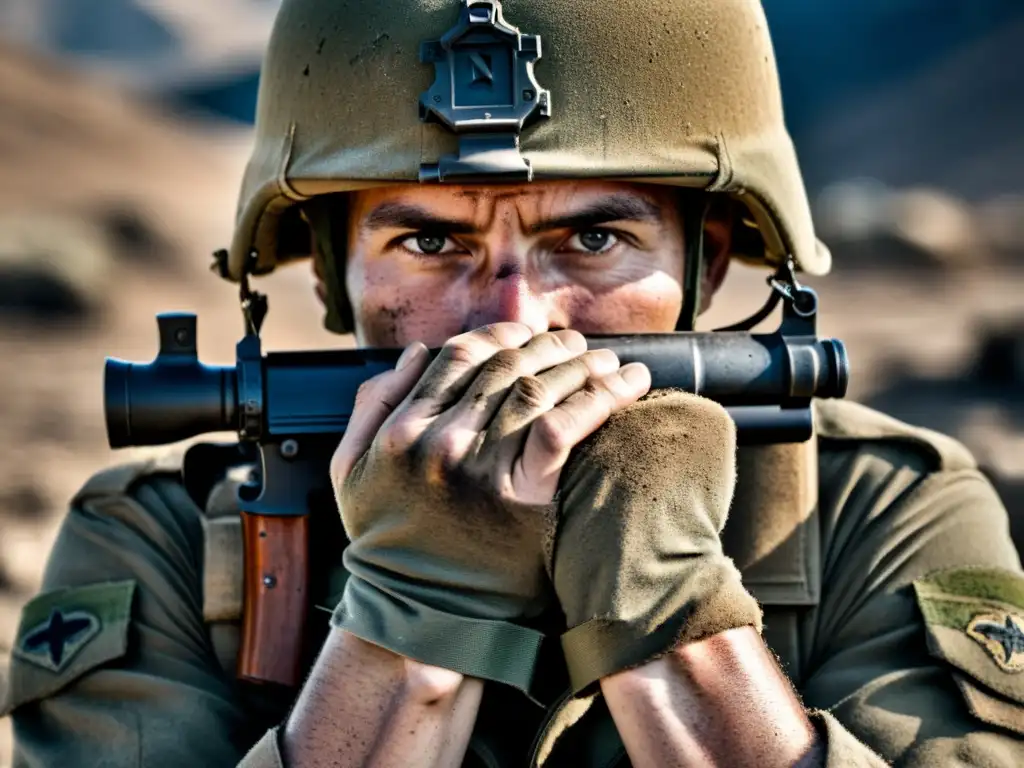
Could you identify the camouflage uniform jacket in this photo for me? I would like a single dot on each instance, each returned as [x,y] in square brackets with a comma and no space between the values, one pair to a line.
[896,607]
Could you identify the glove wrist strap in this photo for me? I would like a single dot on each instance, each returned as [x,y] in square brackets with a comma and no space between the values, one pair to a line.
[482,648]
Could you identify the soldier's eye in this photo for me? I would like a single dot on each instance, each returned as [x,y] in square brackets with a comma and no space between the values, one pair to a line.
[593,241]
[428,244]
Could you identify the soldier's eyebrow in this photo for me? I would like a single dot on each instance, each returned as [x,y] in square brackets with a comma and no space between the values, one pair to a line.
[393,215]
[397,215]
[611,208]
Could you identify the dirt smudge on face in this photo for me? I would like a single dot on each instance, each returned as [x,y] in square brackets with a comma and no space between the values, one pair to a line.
[382,325]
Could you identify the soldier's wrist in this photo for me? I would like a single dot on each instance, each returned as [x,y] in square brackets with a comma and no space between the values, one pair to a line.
[709,598]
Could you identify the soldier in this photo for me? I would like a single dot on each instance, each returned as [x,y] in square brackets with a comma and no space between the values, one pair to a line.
[864,605]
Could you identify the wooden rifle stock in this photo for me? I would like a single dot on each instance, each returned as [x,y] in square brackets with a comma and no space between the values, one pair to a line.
[276,598]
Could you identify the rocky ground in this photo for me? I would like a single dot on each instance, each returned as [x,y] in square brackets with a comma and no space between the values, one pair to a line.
[108,213]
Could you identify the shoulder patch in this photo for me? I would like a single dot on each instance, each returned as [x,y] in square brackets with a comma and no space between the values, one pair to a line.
[974,621]
[53,644]
[63,634]
[846,420]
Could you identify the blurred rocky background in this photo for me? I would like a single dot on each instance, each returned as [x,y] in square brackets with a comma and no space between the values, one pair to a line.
[124,128]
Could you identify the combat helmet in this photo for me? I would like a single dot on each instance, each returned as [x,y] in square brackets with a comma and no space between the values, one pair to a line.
[357,94]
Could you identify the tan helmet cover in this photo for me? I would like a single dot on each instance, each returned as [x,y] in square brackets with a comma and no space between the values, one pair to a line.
[678,92]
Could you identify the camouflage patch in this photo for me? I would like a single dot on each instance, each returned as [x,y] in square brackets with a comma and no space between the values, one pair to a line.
[1002,635]
[54,643]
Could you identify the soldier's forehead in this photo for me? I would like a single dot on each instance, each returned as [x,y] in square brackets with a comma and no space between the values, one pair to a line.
[534,193]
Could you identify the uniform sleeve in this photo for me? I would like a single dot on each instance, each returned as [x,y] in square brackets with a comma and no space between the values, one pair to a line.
[113,665]
[911,558]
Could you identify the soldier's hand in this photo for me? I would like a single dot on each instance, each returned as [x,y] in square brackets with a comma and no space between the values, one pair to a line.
[446,476]
[499,408]
[638,565]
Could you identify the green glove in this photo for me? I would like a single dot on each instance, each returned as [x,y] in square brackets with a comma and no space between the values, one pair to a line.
[441,587]
[638,565]
[450,509]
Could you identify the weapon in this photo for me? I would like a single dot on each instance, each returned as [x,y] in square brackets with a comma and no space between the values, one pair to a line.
[294,406]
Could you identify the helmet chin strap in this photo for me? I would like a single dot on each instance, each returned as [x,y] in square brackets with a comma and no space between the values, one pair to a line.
[694,215]
[326,216]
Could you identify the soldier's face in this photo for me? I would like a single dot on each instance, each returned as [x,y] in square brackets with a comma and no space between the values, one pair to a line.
[428,263]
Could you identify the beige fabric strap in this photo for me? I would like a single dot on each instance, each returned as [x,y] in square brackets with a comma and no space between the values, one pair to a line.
[223,550]
[223,568]
[773,532]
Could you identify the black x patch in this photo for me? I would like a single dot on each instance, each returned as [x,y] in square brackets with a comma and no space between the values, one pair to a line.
[53,643]
[1002,635]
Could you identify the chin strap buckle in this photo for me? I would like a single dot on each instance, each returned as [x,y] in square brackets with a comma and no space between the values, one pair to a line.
[254,304]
